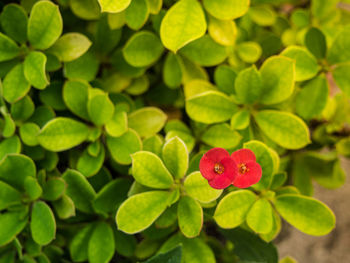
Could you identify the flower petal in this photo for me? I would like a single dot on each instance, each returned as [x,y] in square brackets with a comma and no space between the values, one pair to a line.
[251,177]
[206,167]
[217,154]
[221,181]
[243,156]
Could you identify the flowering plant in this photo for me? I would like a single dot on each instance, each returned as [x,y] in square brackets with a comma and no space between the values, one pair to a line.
[169,130]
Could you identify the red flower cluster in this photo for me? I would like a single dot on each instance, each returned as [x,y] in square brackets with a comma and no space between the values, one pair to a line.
[221,170]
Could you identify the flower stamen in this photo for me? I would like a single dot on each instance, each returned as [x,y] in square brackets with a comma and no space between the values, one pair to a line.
[219,168]
[243,168]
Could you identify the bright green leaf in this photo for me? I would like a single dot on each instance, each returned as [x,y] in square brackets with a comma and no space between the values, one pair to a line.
[140,211]
[233,208]
[45,25]
[226,9]
[259,217]
[34,69]
[113,6]
[123,146]
[210,107]
[278,75]
[15,86]
[62,133]
[42,224]
[190,216]
[149,170]
[197,187]
[70,46]
[175,156]
[284,128]
[306,214]
[101,244]
[183,23]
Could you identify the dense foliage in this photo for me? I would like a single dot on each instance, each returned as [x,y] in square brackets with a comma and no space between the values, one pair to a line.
[107,107]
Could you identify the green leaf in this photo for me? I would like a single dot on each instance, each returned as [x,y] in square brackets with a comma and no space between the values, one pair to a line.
[111,195]
[12,223]
[225,77]
[338,51]
[226,9]
[79,190]
[79,246]
[136,14]
[62,133]
[147,121]
[45,25]
[312,99]
[233,208]
[190,216]
[263,15]
[204,51]
[100,109]
[172,256]
[64,207]
[8,196]
[154,144]
[9,127]
[84,67]
[15,86]
[278,75]
[197,187]
[259,217]
[154,6]
[195,250]
[90,165]
[248,85]
[15,168]
[14,22]
[32,188]
[105,39]
[22,109]
[172,74]
[265,159]
[149,170]
[210,107]
[140,211]
[34,69]
[221,135]
[70,46]
[101,244]
[250,248]
[42,224]
[85,9]
[285,129]
[52,96]
[306,214]
[223,32]
[124,244]
[183,23]
[175,156]
[8,48]
[75,96]
[29,132]
[342,78]
[123,146]
[118,124]
[54,188]
[113,6]
[306,66]
[196,87]
[9,146]
[240,120]
[142,49]
[249,51]
[315,41]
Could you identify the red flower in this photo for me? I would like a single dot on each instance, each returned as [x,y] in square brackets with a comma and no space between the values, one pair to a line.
[218,168]
[249,171]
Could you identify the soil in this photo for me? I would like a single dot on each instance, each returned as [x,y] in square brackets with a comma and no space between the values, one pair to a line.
[332,248]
